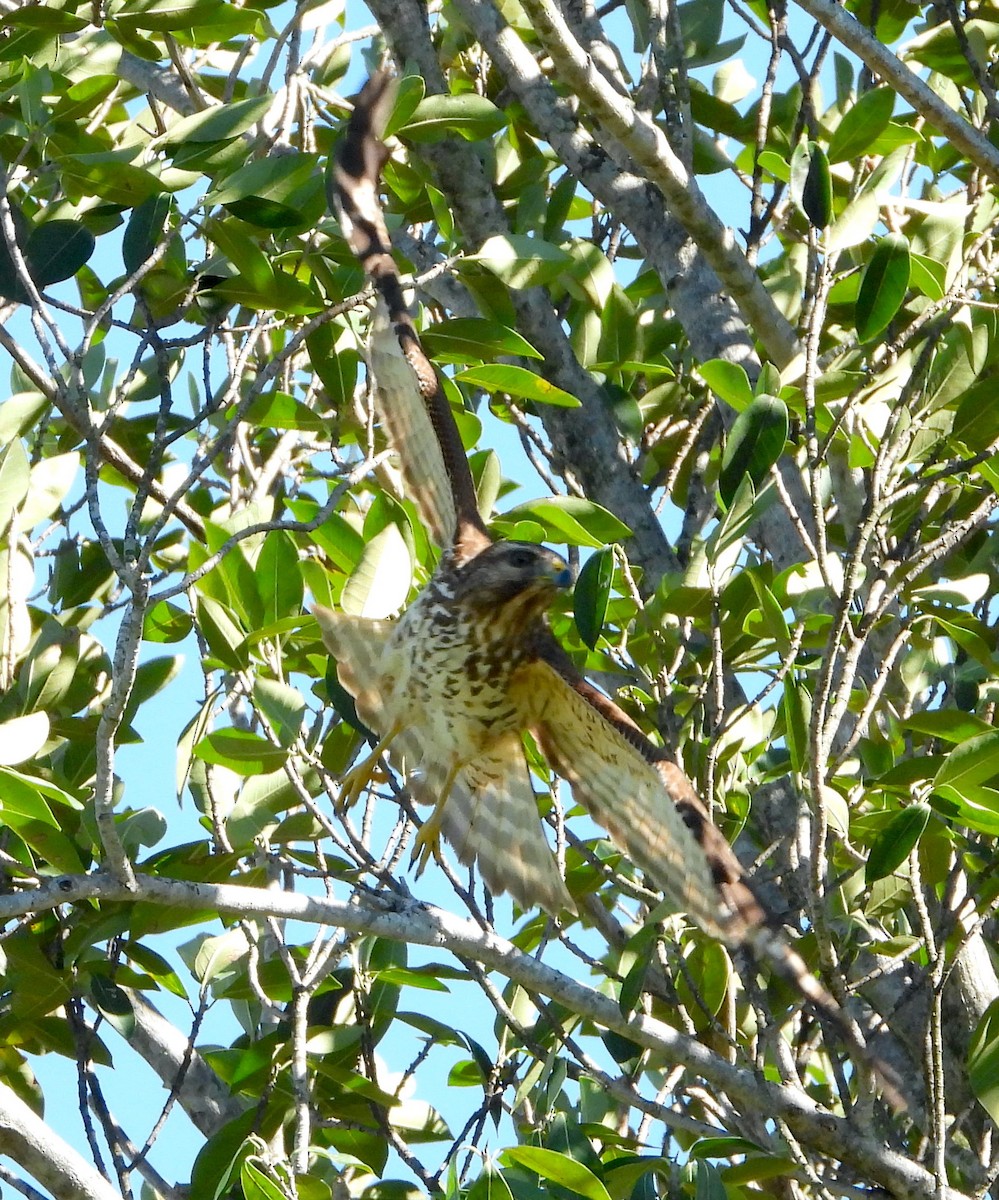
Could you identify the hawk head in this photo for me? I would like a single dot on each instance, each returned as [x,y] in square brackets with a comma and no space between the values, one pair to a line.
[521,574]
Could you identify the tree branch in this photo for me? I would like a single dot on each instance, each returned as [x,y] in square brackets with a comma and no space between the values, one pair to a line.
[848,30]
[33,1145]
[823,1132]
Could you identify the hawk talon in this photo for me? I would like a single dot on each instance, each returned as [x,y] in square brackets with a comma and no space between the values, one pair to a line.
[361,773]
[428,842]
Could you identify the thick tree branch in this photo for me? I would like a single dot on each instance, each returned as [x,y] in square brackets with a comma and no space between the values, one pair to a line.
[201,1094]
[32,1144]
[848,30]
[823,1132]
[643,139]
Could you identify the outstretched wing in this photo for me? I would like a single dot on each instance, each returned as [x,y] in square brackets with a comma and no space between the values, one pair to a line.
[623,792]
[358,644]
[491,818]
[412,406]
[403,416]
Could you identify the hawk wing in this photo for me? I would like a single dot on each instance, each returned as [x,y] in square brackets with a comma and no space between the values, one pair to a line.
[491,818]
[412,405]
[403,415]
[359,646]
[622,791]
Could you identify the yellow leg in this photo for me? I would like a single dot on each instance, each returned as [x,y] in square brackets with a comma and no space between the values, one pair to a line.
[360,774]
[428,840]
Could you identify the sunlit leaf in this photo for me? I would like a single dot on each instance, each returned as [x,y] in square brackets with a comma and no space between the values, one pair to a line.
[883,286]
[517,382]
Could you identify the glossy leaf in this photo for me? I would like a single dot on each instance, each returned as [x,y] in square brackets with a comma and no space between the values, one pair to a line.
[241,751]
[893,844]
[811,183]
[558,1168]
[883,286]
[755,442]
[521,261]
[592,594]
[517,382]
[861,125]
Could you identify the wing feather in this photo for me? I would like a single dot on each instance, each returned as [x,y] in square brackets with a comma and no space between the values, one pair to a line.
[622,791]
[359,646]
[491,817]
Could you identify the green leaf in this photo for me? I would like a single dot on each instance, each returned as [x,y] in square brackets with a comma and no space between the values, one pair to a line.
[755,442]
[592,595]
[470,115]
[166,622]
[224,637]
[278,410]
[972,762]
[21,738]
[15,477]
[883,286]
[114,1003]
[811,183]
[219,123]
[52,480]
[862,125]
[728,381]
[273,192]
[56,250]
[892,845]
[166,15]
[983,1061]
[279,577]
[143,231]
[517,382]
[490,1185]
[20,799]
[570,519]
[473,339]
[381,581]
[519,260]
[558,1168]
[258,1186]
[282,705]
[241,751]
[971,804]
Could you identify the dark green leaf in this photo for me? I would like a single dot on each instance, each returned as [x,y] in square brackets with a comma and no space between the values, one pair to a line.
[811,183]
[883,286]
[592,594]
[755,442]
[892,846]
[861,125]
[143,231]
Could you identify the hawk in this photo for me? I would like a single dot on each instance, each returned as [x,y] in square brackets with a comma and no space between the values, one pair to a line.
[471,666]
[452,687]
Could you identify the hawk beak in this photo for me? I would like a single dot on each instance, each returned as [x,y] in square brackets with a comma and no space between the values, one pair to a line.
[562,576]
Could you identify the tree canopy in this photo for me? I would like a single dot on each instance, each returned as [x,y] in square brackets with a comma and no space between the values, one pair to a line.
[711,286]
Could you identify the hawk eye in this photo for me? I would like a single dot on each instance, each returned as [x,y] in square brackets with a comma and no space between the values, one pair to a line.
[522,558]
